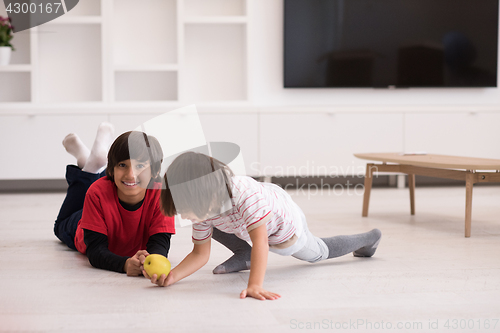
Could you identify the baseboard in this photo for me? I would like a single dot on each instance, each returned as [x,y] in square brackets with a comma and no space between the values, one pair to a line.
[32,185]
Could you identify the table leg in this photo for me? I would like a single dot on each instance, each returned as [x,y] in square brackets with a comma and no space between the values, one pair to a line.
[469,183]
[368,188]
[411,186]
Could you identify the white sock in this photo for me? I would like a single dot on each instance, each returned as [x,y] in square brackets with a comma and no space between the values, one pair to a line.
[77,148]
[97,159]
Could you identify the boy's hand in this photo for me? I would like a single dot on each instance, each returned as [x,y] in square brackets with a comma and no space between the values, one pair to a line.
[259,293]
[133,265]
[141,255]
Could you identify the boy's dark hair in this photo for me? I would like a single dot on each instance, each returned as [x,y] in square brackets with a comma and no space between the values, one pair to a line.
[203,184]
[138,146]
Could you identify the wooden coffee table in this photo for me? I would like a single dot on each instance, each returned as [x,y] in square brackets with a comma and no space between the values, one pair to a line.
[471,170]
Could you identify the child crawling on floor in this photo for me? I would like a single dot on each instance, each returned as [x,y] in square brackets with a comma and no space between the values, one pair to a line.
[204,190]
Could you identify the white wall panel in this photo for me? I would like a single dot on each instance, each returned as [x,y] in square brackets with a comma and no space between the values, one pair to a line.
[31,147]
[462,134]
[319,144]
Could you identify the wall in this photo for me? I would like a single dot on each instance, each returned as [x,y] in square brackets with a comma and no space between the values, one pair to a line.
[283,132]
[323,127]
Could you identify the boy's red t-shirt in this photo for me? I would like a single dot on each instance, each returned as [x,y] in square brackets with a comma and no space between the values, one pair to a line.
[127,231]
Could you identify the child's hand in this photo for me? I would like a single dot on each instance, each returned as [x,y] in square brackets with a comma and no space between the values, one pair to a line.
[141,255]
[133,265]
[162,281]
[259,293]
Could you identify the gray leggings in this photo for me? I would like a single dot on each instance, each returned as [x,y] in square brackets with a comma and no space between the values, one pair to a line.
[307,247]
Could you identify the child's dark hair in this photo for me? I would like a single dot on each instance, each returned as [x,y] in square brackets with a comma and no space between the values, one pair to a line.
[138,146]
[195,193]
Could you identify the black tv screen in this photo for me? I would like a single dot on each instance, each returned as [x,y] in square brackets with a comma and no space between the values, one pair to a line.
[390,43]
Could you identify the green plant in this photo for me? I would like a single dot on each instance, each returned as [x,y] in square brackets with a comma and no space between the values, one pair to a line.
[6,34]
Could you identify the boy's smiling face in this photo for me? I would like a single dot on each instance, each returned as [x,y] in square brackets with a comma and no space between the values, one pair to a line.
[131,179]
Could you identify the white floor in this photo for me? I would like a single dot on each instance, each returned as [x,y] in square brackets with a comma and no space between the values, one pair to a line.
[424,277]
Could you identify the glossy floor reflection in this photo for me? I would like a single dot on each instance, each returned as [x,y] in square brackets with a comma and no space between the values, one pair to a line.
[424,276]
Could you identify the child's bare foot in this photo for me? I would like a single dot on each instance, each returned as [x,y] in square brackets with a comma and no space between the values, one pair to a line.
[77,148]
[97,159]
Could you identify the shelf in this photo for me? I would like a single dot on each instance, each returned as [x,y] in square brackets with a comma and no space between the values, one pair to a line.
[147,67]
[16,68]
[216,20]
[15,87]
[137,32]
[214,63]
[86,8]
[145,86]
[65,19]
[70,64]
[215,7]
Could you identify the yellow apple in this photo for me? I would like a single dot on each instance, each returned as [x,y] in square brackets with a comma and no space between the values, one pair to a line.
[157,264]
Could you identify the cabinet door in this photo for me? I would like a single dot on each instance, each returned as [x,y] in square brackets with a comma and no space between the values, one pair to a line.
[31,147]
[324,144]
[461,134]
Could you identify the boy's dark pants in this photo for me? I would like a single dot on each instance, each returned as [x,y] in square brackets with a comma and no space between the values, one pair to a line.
[71,210]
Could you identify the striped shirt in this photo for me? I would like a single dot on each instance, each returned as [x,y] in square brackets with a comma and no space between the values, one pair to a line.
[254,204]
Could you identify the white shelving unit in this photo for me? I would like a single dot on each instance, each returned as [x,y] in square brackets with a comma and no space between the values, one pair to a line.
[123,61]
[124,51]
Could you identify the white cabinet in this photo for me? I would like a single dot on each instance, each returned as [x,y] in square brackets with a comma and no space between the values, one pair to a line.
[31,147]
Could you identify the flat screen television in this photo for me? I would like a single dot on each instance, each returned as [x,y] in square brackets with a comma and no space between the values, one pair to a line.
[390,43]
